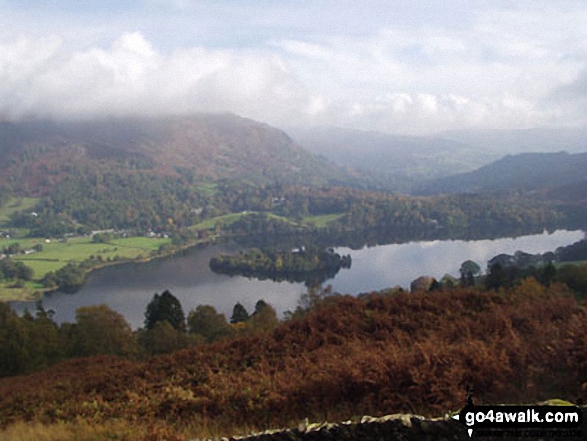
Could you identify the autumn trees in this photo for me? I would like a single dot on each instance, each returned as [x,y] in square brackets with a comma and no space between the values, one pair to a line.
[33,342]
[377,354]
[101,331]
[270,262]
[206,322]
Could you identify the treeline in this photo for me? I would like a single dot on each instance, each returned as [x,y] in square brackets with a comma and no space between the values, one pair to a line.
[101,198]
[506,271]
[68,279]
[573,276]
[303,264]
[376,354]
[575,252]
[405,216]
[34,342]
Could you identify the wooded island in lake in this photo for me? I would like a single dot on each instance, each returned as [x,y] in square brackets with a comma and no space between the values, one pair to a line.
[306,264]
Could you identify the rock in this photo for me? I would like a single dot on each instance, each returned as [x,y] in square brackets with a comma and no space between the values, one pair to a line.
[422,283]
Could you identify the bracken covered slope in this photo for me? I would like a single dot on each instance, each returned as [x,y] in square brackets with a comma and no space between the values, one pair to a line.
[377,355]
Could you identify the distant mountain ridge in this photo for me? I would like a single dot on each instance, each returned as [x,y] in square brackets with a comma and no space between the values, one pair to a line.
[210,146]
[398,160]
[525,171]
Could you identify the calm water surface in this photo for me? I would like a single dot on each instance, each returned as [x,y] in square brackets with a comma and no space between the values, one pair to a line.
[129,288]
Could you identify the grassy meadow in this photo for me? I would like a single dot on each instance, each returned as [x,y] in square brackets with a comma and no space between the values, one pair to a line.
[322,221]
[16,204]
[228,219]
[56,254]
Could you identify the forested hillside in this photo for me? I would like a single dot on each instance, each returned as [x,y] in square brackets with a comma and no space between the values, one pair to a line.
[526,171]
[35,155]
[396,162]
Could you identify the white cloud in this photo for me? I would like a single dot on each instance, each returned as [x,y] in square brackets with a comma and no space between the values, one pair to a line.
[130,77]
[493,66]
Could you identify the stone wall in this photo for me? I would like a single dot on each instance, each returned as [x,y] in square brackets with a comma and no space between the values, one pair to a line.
[399,427]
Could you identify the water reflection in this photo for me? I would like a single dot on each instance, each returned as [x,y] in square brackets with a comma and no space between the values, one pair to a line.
[129,288]
[388,265]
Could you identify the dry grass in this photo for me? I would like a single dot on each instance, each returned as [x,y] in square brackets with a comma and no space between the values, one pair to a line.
[79,431]
[119,430]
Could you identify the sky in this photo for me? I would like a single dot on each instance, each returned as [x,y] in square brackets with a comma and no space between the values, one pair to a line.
[413,67]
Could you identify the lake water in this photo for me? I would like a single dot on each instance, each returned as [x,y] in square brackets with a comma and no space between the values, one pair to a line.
[130,287]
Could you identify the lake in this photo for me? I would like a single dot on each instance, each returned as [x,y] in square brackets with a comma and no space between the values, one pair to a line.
[128,288]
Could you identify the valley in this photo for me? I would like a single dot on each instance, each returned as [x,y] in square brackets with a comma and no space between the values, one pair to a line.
[97,218]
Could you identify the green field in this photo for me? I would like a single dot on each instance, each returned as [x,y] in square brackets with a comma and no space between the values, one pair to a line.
[225,219]
[56,254]
[143,243]
[208,189]
[321,221]
[228,219]
[14,205]
[8,293]
[574,262]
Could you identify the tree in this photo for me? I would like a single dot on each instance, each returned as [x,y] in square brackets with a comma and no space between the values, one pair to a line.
[46,346]
[69,278]
[14,338]
[9,269]
[497,277]
[546,274]
[575,277]
[259,306]
[165,307]
[23,272]
[314,297]
[239,314]
[264,319]
[208,323]
[102,331]
[163,338]
[469,270]
[448,281]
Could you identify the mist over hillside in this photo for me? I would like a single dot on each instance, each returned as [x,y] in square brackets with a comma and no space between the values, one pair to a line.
[210,146]
[398,160]
[417,164]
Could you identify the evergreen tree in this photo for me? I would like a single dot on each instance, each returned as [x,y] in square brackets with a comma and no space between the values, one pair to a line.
[547,274]
[165,307]
[259,306]
[239,314]
[469,270]
[497,277]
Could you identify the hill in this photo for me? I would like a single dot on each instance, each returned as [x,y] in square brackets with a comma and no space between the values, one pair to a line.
[525,171]
[574,192]
[397,161]
[35,155]
[376,354]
